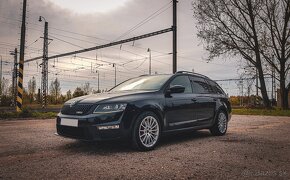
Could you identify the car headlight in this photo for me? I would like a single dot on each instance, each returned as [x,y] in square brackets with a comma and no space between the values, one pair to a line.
[110,108]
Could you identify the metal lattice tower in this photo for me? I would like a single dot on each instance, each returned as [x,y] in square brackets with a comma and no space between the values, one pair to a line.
[44,77]
[14,78]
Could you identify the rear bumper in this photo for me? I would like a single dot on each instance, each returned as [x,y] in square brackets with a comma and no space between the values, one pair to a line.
[229,116]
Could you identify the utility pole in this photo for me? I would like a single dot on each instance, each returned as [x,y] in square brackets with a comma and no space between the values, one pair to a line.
[115,66]
[98,80]
[273,87]
[21,61]
[149,50]
[14,78]
[249,92]
[257,83]
[174,42]
[44,77]
[272,93]
[0,79]
[242,93]
[241,89]
[274,83]
[1,75]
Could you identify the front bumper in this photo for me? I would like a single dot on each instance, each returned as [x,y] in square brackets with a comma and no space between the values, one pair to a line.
[89,133]
[92,127]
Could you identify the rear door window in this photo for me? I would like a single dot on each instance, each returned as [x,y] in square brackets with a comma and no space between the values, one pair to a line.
[199,85]
[215,87]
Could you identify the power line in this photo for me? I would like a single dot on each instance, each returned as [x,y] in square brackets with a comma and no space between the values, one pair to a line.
[152,16]
[107,45]
[65,41]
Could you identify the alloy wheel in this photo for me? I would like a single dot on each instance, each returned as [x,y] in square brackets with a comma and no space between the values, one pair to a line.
[149,131]
[222,122]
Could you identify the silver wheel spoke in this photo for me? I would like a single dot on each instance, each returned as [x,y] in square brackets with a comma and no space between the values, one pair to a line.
[143,138]
[149,131]
[154,126]
[222,122]
[143,125]
[150,122]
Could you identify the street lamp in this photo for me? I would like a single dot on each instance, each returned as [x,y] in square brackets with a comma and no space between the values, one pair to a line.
[98,80]
[0,79]
[149,50]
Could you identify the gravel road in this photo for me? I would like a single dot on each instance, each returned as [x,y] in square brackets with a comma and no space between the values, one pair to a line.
[255,147]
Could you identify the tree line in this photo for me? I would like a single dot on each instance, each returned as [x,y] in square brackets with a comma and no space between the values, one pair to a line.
[32,95]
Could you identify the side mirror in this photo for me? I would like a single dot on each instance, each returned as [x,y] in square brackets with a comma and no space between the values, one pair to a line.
[176,89]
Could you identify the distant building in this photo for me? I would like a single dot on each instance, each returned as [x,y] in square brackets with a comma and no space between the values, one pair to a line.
[279,99]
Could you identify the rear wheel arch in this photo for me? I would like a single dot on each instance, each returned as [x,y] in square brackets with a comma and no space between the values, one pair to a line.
[220,125]
[224,109]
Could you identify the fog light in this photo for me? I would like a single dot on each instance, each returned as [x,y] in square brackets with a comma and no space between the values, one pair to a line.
[108,127]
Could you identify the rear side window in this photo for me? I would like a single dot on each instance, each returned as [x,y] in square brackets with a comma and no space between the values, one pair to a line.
[183,81]
[199,85]
[216,88]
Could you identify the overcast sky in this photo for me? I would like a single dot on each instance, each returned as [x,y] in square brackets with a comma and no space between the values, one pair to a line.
[77,24]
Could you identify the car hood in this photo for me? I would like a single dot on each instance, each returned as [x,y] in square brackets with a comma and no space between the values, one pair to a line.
[95,98]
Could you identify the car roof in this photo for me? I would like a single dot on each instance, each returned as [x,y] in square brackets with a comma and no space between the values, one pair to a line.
[179,72]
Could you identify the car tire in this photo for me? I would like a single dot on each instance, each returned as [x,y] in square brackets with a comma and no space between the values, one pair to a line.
[221,124]
[146,131]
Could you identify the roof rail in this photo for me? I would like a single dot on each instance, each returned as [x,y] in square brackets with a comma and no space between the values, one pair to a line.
[188,72]
[144,75]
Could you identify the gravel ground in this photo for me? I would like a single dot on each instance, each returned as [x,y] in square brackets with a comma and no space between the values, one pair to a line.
[255,147]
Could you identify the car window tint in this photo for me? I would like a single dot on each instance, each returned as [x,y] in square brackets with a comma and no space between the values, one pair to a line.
[199,85]
[215,87]
[183,81]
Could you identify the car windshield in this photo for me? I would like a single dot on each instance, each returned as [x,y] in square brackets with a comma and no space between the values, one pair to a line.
[142,83]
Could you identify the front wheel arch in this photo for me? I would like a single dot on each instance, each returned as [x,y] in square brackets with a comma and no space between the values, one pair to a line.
[154,110]
[136,142]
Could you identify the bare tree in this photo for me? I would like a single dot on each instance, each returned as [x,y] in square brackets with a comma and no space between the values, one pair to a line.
[5,87]
[87,88]
[55,89]
[5,96]
[68,95]
[276,46]
[78,92]
[234,27]
[31,89]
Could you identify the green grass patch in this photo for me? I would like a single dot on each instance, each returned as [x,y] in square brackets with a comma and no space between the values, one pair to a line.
[261,112]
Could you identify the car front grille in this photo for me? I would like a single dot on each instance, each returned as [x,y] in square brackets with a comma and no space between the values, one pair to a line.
[71,132]
[78,109]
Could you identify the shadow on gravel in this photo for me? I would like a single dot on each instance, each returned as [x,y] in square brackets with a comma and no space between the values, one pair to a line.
[183,137]
[100,148]
[118,146]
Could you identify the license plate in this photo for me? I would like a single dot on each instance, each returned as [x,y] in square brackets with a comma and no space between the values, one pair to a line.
[69,122]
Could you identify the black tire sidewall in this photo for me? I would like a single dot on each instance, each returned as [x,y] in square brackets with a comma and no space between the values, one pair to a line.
[215,130]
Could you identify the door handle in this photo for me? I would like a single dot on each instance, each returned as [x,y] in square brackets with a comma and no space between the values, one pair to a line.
[193,99]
